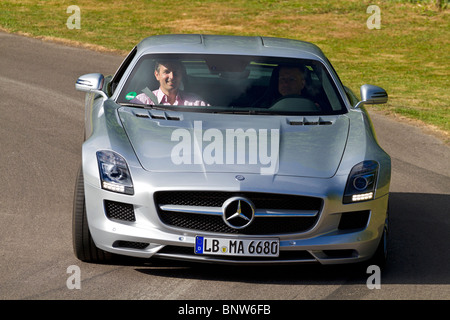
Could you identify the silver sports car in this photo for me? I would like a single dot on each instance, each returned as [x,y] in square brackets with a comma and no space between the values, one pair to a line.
[226,149]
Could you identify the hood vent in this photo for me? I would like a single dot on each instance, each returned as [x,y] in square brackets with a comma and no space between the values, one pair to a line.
[310,121]
[157,115]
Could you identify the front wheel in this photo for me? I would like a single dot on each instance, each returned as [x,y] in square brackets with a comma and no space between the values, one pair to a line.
[381,254]
[83,244]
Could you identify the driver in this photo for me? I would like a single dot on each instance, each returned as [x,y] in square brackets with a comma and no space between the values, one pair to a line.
[169,75]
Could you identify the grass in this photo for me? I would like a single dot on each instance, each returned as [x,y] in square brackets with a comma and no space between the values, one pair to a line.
[409,55]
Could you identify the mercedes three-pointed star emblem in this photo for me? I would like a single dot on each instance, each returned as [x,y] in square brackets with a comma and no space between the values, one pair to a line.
[238,212]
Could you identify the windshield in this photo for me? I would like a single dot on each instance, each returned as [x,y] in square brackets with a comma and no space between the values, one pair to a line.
[232,84]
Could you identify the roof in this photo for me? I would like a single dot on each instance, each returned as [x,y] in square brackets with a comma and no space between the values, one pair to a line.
[221,44]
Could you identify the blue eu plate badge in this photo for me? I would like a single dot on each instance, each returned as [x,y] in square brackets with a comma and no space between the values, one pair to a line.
[199,245]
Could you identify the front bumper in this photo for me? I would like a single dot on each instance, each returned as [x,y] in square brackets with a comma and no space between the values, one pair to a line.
[327,242]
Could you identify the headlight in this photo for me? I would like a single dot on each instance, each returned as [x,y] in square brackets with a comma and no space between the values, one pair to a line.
[114,173]
[361,182]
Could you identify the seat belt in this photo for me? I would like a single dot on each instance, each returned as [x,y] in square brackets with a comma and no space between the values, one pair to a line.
[151,95]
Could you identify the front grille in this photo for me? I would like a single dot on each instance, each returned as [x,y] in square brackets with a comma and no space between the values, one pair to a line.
[215,223]
[217,198]
[209,223]
[119,211]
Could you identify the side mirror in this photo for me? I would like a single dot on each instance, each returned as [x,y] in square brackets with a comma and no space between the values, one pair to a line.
[372,95]
[92,82]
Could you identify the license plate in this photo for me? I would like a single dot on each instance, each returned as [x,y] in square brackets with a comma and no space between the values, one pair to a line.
[237,247]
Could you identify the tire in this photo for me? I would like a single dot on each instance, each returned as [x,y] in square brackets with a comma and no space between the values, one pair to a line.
[83,244]
[381,254]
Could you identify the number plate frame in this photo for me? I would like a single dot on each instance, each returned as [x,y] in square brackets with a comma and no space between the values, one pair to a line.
[268,247]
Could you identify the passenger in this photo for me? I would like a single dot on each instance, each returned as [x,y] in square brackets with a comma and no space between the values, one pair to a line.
[169,75]
[285,81]
[290,81]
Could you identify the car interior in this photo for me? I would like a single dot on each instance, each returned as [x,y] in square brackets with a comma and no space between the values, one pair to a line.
[241,82]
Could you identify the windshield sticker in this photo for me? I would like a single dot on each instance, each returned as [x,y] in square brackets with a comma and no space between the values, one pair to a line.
[131,95]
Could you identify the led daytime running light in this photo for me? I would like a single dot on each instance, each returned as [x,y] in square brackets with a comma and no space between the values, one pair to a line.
[113,187]
[362,196]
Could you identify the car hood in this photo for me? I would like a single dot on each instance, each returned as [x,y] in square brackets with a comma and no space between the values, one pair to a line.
[168,141]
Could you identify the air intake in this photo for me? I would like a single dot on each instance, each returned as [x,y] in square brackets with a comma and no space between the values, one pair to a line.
[119,211]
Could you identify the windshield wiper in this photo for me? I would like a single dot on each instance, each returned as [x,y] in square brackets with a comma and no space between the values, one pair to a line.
[244,111]
[228,110]
[144,106]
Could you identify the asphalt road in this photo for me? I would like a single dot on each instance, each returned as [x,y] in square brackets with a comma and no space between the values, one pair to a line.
[41,129]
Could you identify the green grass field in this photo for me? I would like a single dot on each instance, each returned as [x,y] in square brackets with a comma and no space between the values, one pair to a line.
[409,55]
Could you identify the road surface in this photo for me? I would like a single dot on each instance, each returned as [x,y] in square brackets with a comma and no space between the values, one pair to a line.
[41,130]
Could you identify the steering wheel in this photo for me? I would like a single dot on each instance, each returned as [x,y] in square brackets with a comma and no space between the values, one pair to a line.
[294,102]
